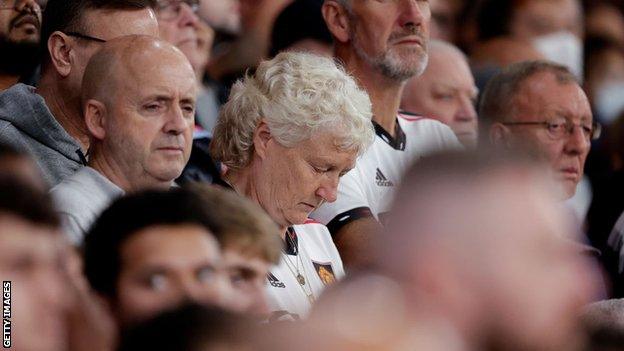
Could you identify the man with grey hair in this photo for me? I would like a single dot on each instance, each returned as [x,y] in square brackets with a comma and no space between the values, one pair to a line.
[286,135]
[382,43]
[138,98]
[540,105]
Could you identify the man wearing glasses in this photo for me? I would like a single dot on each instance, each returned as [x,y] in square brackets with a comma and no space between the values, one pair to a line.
[540,105]
[20,30]
[46,121]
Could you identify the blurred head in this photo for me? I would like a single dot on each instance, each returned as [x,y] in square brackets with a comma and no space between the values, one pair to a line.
[604,321]
[444,15]
[389,37]
[21,165]
[539,105]
[222,15]
[293,128]
[250,244]
[604,77]
[192,328]
[300,27]
[151,251]
[139,107]
[31,251]
[505,273]
[178,23]
[73,30]
[20,30]
[445,91]
[554,27]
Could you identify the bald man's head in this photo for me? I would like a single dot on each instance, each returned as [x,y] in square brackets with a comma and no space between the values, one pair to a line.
[124,56]
[139,97]
[446,91]
[484,265]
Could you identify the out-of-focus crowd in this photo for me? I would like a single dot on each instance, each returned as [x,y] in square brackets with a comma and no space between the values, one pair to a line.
[388,175]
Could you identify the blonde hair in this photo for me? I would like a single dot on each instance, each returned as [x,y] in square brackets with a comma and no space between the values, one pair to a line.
[243,225]
[297,94]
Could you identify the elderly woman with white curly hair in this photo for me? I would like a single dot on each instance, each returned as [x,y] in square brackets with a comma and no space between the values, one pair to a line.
[286,135]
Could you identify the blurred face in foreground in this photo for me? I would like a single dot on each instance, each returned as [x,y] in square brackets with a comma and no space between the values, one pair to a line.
[247,274]
[165,265]
[31,260]
[541,280]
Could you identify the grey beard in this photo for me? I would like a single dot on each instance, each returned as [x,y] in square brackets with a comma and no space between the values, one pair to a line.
[389,69]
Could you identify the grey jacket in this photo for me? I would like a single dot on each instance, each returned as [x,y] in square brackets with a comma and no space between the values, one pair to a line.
[81,198]
[27,124]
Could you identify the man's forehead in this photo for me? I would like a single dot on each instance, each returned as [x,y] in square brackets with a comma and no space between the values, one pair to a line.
[544,93]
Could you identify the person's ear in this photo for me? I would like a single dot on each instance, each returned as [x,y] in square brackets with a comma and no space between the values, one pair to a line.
[95,118]
[337,19]
[60,50]
[262,137]
[500,135]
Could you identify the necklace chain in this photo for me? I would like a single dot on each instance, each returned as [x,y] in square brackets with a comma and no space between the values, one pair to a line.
[301,279]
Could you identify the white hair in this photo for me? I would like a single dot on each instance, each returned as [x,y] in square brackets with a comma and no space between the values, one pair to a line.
[297,94]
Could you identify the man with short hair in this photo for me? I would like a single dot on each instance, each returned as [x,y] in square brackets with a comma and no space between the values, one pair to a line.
[46,121]
[20,30]
[139,102]
[383,44]
[250,245]
[152,251]
[540,105]
[446,91]
[30,261]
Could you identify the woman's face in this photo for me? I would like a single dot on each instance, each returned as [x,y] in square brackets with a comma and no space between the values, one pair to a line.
[292,182]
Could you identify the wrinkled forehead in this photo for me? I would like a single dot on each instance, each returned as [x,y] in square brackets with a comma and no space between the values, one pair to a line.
[544,95]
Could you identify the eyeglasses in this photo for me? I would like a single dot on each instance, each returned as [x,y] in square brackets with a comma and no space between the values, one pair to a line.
[560,129]
[85,37]
[171,9]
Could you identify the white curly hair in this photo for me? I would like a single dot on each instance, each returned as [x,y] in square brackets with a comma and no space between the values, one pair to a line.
[297,94]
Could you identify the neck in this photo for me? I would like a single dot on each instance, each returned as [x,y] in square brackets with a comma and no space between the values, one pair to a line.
[384,93]
[7,80]
[115,172]
[65,108]
[243,184]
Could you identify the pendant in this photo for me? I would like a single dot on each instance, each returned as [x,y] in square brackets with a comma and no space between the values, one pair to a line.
[301,279]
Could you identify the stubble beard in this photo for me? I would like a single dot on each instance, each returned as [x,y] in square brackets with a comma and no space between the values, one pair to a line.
[394,65]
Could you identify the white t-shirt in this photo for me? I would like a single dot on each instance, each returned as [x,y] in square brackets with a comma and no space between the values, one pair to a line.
[311,253]
[367,190]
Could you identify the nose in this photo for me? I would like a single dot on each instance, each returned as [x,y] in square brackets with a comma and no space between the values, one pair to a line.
[414,13]
[28,5]
[576,142]
[466,112]
[328,189]
[177,123]
[188,16]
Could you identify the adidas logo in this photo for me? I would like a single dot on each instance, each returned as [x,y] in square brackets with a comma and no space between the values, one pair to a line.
[274,281]
[381,179]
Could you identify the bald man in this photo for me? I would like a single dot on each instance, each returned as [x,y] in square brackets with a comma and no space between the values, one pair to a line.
[446,91]
[138,98]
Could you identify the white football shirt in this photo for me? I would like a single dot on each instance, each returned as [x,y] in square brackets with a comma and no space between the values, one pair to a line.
[367,190]
[311,253]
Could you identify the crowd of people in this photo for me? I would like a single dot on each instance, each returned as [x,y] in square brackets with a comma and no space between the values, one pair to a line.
[312,175]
